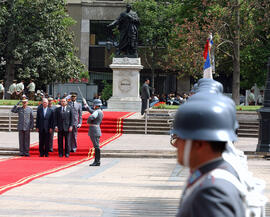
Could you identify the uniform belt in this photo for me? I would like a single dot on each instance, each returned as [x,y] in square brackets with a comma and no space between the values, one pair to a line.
[94,125]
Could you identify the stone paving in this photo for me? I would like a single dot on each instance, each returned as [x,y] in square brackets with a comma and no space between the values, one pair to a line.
[119,187]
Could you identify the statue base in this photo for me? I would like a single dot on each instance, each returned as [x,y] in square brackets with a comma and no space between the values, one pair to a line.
[126,85]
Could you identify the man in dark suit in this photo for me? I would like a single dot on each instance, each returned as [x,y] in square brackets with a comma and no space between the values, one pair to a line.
[44,125]
[63,125]
[145,95]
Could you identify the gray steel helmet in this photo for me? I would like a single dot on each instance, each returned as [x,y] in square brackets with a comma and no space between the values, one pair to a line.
[204,120]
[97,102]
[209,84]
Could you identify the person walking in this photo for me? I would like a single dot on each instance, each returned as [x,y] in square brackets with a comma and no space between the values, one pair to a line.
[77,121]
[63,125]
[31,90]
[52,107]
[94,132]
[2,89]
[12,89]
[44,126]
[200,133]
[25,124]
[145,95]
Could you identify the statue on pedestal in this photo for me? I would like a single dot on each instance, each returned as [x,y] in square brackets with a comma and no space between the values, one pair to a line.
[127,23]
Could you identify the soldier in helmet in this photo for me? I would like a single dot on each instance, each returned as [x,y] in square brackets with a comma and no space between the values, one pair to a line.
[94,132]
[200,132]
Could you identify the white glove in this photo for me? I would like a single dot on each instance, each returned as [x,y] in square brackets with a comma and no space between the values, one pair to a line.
[79,125]
[84,101]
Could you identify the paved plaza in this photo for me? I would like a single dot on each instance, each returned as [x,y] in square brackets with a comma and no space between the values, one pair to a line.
[148,183]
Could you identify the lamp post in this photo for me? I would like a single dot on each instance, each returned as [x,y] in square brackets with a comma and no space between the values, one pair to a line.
[264,117]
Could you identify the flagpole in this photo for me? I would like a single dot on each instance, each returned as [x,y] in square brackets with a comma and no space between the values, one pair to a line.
[207,69]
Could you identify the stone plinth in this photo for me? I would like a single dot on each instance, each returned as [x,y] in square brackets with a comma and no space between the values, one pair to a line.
[126,85]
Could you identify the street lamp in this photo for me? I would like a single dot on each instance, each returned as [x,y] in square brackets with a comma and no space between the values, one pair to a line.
[264,117]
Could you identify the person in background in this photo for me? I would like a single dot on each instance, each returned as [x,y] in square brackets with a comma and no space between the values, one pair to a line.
[145,95]
[77,120]
[44,126]
[251,97]
[31,90]
[260,98]
[2,90]
[52,107]
[38,96]
[12,89]
[19,89]
[25,124]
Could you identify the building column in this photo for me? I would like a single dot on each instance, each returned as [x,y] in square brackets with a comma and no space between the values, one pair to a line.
[85,34]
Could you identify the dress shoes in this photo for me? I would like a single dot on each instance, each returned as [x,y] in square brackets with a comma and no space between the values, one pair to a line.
[95,164]
[60,155]
[46,155]
[51,150]
[41,155]
[27,155]
[66,155]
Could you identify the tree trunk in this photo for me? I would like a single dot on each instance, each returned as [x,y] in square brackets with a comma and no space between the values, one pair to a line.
[9,76]
[236,58]
[153,80]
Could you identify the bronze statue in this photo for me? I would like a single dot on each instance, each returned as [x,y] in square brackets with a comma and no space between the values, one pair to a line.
[127,23]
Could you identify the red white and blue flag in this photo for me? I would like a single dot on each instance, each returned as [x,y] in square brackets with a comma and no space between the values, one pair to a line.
[207,68]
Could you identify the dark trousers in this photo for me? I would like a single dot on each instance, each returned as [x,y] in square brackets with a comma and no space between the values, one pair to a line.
[61,136]
[24,141]
[144,106]
[51,141]
[44,142]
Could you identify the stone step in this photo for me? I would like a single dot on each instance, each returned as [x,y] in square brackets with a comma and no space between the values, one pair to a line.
[157,132]
[251,135]
[148,127]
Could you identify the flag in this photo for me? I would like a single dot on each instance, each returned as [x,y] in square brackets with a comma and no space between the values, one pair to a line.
[207,68]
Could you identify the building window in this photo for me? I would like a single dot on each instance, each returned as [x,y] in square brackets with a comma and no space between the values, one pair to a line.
[99,33]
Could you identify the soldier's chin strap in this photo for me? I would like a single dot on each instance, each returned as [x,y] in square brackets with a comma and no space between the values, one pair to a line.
[186,154]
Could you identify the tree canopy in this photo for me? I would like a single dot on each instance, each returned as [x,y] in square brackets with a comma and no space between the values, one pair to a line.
[36,41]
[241,37]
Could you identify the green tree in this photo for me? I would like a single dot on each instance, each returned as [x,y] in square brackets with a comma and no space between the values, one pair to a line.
[36,41]
[156,18]
[234,25]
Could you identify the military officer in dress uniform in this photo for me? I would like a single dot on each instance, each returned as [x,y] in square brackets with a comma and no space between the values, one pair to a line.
[25,124]
[52,107]
[94,132]
[12,89]
[200,132]
[2,89]
[77,121]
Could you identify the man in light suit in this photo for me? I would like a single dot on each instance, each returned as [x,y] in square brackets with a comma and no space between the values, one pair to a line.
[77,121]
[63,125]
[25,124]
[145,94]
[44,125]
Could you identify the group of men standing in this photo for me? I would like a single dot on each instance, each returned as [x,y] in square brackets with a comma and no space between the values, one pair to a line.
[16,90]
[65,120]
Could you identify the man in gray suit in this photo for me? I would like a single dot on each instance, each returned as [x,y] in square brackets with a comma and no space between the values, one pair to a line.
[94,132]
[200,133]
[25,124]
[145,95]
[77,121]
[63,125]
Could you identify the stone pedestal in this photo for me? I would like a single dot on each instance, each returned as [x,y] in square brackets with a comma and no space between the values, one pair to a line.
[126,85]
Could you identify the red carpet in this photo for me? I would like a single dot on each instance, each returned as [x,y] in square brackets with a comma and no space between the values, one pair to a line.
[18,171]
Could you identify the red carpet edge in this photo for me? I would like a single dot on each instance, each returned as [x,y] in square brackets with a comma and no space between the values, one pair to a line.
[28,179]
